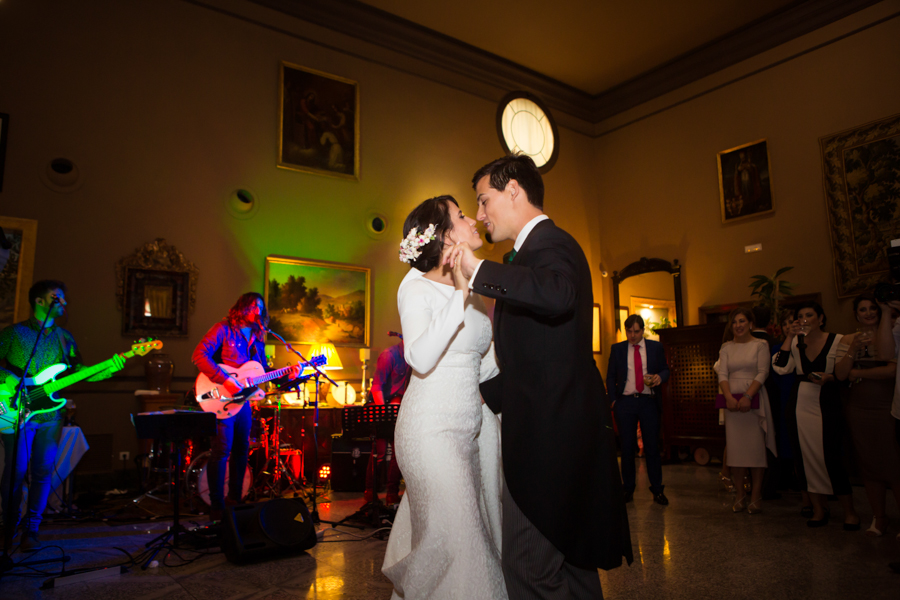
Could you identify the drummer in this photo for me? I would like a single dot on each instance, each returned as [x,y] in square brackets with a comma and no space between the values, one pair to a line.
[233,341]
[392,375]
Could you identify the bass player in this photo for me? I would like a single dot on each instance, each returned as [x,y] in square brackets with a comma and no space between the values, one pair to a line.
[233,341]
[39,437]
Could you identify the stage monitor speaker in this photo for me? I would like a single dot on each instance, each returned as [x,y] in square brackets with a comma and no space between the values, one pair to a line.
[349,461]
[264,530]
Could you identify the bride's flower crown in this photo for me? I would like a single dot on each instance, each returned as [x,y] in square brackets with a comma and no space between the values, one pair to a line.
[409,248]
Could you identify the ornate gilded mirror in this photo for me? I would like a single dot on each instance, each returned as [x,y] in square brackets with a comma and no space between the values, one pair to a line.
[156,291]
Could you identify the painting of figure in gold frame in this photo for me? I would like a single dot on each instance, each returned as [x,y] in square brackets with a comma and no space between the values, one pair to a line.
[318,122]
[745,181]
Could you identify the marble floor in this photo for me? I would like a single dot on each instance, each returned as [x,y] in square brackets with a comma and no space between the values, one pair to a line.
[694,548]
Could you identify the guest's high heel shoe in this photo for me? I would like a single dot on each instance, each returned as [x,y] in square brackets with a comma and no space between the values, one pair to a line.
[754,508]
[726,483]
[874,531]
[807,512]
[819,522]
[739,505]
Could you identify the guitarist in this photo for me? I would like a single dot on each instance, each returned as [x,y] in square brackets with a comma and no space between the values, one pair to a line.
[238,338]
[39,438]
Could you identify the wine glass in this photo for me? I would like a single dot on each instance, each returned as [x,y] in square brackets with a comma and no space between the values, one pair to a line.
[804,327]
[866,335]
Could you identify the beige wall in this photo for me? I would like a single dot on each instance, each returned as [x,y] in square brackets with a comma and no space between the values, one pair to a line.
[167,107]
[661,170]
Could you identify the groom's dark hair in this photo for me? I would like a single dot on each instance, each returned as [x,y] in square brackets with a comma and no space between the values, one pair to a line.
[434,211]
[514,166]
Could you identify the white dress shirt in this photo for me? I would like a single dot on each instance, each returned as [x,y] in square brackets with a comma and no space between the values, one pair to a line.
[630,381]
[520,239]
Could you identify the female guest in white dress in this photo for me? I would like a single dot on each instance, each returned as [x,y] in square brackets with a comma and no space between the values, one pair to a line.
[445,541]
[742,369]
[815,415]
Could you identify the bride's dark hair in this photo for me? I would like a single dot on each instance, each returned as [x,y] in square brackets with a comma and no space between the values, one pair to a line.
[434,211]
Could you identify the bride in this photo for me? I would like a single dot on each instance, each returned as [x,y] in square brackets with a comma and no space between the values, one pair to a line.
[445,541]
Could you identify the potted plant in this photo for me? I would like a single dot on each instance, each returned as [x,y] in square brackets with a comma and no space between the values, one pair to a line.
[769,291]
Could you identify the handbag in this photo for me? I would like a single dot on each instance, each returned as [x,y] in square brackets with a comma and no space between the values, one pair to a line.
[720,401]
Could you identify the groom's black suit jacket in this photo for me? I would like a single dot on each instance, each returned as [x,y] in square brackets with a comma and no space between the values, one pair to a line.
[559,455]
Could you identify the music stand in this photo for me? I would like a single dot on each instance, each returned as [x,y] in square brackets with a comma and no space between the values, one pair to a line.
[175,426]
[373,420]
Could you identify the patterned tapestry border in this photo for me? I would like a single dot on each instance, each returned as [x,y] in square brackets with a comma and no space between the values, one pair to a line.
[862,197]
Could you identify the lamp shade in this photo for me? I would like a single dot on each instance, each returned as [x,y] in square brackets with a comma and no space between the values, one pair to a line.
[327,350]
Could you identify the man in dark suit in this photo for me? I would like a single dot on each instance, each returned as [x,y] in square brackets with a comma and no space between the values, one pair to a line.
[637,367]
[563,514]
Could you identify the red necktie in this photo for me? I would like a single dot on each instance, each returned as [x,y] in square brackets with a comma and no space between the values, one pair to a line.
[638,369]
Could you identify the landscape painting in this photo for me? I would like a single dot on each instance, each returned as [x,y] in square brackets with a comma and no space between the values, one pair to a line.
[312,302]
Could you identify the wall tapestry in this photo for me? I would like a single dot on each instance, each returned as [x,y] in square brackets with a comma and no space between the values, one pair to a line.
[861,168]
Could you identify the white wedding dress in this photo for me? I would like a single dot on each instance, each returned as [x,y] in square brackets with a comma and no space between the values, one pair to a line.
[445,540]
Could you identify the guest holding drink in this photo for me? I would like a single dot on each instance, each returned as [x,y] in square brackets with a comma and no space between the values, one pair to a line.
[787,420]
[742,369]
[867,404]
[816,409]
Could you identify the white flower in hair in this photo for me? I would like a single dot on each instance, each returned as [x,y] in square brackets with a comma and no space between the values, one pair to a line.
[409,248]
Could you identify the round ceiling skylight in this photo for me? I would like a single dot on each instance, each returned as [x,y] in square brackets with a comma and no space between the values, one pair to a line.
[525,125]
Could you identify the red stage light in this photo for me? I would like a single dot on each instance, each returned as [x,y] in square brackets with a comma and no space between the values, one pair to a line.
[324,472]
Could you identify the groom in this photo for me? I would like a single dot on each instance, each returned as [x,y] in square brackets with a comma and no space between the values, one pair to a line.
[563,511]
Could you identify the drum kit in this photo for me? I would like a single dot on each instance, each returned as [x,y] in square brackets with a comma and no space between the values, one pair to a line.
[274,468]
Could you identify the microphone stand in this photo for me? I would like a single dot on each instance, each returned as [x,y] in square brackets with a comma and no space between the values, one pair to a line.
[6,561]
[314,514]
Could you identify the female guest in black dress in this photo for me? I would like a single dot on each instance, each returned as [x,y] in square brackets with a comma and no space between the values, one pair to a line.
[815,408]
[785,384]
[867,405]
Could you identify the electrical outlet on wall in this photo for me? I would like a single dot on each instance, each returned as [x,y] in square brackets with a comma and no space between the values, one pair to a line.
[124,455]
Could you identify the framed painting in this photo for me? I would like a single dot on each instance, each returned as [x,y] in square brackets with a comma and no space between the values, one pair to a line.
[597,341]
[313,302]
[318,129]
[4,129]
[16,268]
[861,176]
[745,181]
